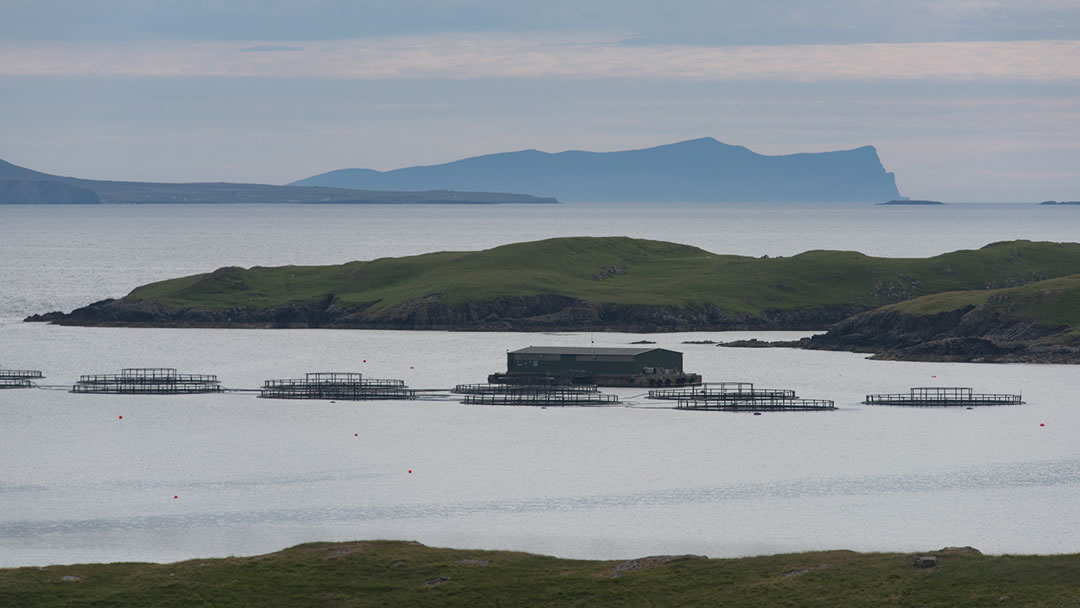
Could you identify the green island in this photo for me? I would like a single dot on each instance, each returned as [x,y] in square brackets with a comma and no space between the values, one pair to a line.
[625,284]
[395,573]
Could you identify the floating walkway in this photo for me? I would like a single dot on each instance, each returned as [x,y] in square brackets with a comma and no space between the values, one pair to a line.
[19,378]
[535,395]
[722,391]
[739,397]
[487,389]
[943,396]
[147,381]
[347,386]
[757,405]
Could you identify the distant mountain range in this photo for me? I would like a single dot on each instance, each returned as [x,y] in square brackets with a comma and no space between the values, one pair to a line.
[19,185]
[689,171]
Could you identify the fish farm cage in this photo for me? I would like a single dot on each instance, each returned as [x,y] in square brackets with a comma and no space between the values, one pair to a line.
[487,389]
[347,386]
[943,396]
[19,378]
[757,405]
[543,395]
[721,391]
[147,381]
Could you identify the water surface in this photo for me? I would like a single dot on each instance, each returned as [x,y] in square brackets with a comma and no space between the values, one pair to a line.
[77,483]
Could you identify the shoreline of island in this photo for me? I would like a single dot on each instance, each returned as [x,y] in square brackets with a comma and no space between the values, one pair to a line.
[998,303]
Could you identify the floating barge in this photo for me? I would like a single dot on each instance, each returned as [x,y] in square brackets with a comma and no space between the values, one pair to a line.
[943,396]
[347,386]
[147,381]
[18,378]
[722,391]
[757,405]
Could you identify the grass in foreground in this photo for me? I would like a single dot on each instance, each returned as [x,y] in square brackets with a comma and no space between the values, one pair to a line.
[384,573]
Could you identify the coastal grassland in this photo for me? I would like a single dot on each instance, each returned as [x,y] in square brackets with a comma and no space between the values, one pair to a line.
[1050,303]
[620,271]
[385,573]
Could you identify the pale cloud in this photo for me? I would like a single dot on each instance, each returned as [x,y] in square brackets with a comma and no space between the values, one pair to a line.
[702,22]
[452,57]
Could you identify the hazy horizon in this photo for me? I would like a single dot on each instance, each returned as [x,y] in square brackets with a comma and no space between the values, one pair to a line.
[964,100]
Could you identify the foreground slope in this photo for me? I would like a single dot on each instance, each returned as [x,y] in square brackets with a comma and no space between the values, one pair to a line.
[582,283]
[695,170]
[381,573]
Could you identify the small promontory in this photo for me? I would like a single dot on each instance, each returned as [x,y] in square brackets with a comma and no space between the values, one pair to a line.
[1036,323]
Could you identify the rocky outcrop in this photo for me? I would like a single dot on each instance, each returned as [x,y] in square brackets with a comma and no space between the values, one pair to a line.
[924,561]
[966,334]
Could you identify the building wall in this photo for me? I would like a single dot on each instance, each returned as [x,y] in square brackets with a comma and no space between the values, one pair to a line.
[597,364]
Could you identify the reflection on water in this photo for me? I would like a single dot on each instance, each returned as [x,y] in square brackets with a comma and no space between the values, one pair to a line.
[1027,475]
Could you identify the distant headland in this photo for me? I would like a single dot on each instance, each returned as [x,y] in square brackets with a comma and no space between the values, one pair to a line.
[697,170]
[22,186]
[1060,203]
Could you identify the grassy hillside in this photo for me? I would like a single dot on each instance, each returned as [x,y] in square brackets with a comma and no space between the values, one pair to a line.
[621,271]
[407,574]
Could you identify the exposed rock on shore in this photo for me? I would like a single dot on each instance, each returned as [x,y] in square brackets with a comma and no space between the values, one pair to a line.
[965,334]
[507,313]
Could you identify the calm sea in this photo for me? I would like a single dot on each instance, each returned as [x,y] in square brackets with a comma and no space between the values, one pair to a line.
[186,476]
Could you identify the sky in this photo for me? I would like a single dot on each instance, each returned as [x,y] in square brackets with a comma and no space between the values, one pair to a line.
[965,100]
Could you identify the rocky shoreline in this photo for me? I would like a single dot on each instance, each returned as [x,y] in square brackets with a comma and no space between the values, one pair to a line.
[510,313]
[966,334]
[962,335]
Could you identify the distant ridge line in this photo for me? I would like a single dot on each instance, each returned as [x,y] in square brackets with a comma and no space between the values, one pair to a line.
[22,186]
[695,170]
